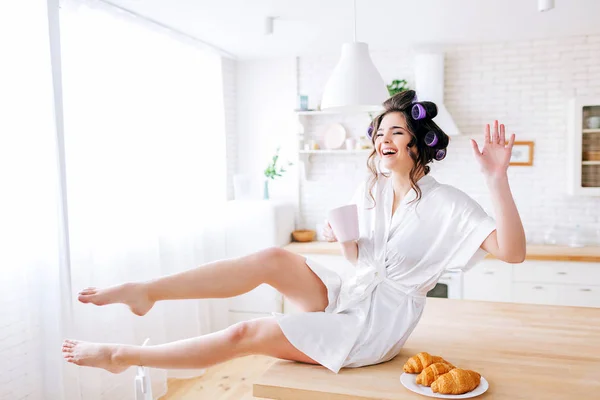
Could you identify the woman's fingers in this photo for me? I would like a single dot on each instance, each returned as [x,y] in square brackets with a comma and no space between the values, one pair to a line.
[487,135]
[328,233]
[475,147]
[511,141]
[495,136]
[502,135]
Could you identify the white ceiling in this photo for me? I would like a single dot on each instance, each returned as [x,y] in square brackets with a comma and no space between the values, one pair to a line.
[319,26]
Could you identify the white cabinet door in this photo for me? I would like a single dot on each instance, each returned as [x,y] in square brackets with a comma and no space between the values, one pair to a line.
[578,295]
[558,272]
[490,280]
[536,293]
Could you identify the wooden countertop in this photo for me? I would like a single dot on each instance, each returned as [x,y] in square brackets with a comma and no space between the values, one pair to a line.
[534,252]
[524,351]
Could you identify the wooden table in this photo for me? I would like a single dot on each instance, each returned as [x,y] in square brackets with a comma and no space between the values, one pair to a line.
[534,252]
[524,351]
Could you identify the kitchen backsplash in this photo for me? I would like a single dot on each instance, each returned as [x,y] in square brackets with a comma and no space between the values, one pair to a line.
[526,85]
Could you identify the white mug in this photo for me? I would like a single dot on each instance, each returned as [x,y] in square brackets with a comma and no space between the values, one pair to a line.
[344,222]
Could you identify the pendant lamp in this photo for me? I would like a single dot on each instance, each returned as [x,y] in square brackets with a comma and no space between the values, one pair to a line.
[355,85]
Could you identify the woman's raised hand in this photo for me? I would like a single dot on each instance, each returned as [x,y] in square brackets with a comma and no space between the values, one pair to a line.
[494,156]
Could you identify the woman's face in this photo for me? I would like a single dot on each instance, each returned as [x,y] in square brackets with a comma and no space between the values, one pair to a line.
[391,141]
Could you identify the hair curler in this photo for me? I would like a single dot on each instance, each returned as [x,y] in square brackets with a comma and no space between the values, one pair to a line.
[440,154]
[424,109]
[431,139]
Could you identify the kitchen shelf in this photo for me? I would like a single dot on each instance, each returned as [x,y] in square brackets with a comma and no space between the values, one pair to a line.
[327,112]
[583,144]
[364,151]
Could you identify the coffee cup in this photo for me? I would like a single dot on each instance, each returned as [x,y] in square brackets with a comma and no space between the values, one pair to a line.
[344,222]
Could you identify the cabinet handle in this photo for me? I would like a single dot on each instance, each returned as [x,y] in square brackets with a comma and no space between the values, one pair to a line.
[489,272]
[585,290]
[561,273]
[538,287]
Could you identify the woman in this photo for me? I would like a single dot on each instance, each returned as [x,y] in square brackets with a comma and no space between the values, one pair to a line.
[412,229]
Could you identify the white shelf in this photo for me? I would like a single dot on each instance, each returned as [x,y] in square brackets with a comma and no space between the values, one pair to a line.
[313,112]
[591,131]
[343,151]
[590,162]
[327,112]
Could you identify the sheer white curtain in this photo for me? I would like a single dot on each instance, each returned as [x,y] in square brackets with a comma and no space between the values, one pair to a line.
[145,171]
[145,155]
[31,315]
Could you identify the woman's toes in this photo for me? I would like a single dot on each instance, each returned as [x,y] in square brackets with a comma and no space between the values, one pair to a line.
[88,291]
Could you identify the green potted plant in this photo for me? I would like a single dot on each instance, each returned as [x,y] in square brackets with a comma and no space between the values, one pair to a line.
[273,171]
[397,86]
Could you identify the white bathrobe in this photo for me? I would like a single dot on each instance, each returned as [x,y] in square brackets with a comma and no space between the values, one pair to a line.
[400,258]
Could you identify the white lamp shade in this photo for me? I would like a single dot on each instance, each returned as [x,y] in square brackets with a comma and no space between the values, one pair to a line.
[355,84]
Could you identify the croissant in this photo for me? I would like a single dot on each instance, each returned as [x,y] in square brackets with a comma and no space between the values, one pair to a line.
[437,359]
[457,381]
[419,362]
[431,373]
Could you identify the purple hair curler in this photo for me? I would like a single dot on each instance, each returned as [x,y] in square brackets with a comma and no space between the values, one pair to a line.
[418,111]
[370,132]
[424,109]
[431,139]
[440,154]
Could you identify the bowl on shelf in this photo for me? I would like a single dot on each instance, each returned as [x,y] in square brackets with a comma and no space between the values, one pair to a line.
[306,235]
[591,156]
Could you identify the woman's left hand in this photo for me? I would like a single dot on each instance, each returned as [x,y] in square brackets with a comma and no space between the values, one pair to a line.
[494,157]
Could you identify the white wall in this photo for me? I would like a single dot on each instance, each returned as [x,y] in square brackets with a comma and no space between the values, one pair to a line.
[525,85]
[266,97]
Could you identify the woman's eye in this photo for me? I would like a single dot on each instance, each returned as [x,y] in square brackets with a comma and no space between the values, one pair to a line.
[379,135]
[398,133]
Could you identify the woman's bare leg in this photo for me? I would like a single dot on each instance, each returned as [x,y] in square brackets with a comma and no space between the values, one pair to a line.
[285,271]
[260,336]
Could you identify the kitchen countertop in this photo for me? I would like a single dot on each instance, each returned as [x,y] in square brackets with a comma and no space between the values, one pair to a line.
[524,351]
[534,252]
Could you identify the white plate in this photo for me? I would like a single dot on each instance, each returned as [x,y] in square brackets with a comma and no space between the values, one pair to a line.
[410,382]
[334,136]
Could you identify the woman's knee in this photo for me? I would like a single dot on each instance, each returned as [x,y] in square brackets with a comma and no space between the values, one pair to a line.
[246,336]
[273,260]
[239,332]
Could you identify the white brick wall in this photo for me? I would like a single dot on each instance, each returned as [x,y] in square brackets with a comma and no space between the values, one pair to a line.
[525,85]
[229,100]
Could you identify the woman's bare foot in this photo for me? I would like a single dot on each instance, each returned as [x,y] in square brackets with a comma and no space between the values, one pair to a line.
[132,294]
[98,355]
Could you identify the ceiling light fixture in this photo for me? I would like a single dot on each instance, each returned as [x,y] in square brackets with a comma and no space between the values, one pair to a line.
[355,85]
[545,5]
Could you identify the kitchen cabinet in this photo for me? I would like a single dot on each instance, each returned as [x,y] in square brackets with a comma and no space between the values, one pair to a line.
[557,282]
[583,176]
[535,282]
[253,226]
[490,280]
[535,293]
